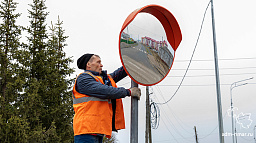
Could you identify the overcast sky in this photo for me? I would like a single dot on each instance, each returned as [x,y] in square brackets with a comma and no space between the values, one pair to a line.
[94,27]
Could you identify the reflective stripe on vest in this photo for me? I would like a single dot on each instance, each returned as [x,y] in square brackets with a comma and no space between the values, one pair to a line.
[86,99]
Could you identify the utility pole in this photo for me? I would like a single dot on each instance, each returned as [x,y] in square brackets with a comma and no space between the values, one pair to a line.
[134,116]
[148,137]
[149,120]
[196,134]
[221,138]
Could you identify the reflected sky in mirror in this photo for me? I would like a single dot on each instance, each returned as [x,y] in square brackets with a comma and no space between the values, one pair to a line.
[145,52]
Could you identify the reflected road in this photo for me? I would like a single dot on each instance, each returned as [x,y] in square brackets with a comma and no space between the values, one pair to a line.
[141,64]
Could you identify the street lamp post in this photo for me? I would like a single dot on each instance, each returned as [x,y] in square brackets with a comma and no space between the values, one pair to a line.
[254,133]
[233,85]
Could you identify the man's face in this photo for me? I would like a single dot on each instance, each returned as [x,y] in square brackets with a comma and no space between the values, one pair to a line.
[95,64]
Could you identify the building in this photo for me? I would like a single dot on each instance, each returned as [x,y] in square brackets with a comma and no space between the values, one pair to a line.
[125,35]
[152,43]
[165,54]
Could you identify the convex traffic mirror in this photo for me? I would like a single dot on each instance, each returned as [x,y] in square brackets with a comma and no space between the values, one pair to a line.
[147,43]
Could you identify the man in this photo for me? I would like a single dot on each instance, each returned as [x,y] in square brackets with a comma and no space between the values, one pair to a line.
[97,101]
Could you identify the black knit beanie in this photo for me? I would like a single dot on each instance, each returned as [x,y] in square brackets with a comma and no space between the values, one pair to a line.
[83,60]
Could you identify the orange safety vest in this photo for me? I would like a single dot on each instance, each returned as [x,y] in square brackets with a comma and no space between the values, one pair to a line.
[94,115]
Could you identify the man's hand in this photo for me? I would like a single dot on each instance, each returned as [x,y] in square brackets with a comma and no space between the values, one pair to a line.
[135,92]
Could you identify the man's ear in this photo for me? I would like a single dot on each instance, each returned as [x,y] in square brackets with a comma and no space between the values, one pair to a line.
[88,65]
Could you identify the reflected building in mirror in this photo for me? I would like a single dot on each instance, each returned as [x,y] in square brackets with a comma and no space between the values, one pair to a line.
[160,47]
[147,60]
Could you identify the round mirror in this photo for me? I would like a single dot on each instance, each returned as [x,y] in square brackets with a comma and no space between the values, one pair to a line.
[147,44]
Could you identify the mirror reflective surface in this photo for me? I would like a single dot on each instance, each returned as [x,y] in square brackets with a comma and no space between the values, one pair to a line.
[145,51]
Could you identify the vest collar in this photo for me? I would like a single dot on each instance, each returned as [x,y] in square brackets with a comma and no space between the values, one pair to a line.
[103,75]
[97,73]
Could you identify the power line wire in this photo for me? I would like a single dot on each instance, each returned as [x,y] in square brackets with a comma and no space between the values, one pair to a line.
[199,76]
[170,131]
[176,130]
[173,126]
[178,120]
[155,115]
[235,68]
[186,138]
[214,128]
[214,75]
[204,60]
[190,58]
[198,84]
[209,133]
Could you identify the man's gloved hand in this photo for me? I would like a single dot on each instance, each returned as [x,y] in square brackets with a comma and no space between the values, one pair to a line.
[135,92]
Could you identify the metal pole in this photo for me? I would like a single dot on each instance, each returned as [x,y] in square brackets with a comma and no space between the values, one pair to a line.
[134,117]
[254,133]
[196,134]
[235,132]
[149,133]
[221,138]
[149,120]
[147,116]
[232,86]
[232,116]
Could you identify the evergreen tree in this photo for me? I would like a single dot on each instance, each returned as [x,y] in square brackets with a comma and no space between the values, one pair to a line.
[48,90]
[59,97]
[37,39]
[13,128]
[35,88]
[9,42]
[33,104]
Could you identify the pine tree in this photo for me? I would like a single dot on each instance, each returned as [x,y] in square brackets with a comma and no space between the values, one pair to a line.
[48,89]
[59,70]
[13,128]
[37,39]
[33,105]
[9,45]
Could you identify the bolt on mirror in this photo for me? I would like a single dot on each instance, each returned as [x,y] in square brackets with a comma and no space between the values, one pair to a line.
[147,43]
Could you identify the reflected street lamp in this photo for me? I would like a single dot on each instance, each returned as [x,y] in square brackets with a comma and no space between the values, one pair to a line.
[233,85]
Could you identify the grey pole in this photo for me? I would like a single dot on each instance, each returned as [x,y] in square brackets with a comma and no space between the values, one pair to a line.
[232,116]
[232,86]
[147,116]
[221,138]
[254,133]
[134,117]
